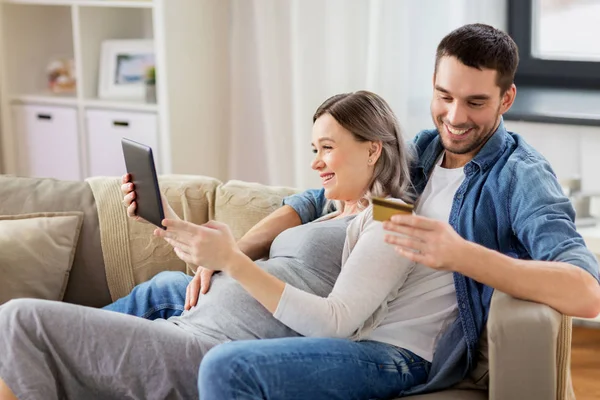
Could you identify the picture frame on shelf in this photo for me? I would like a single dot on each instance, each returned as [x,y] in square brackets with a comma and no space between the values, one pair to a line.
[123,66]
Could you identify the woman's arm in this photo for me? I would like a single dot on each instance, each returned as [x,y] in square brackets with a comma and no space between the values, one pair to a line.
[371,273]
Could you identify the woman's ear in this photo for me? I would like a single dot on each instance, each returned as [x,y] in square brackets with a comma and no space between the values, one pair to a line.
[374,152]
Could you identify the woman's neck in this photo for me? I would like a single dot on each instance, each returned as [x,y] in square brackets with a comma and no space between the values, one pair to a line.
[351,208]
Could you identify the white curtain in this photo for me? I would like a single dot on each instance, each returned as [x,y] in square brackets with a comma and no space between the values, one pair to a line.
[288,56]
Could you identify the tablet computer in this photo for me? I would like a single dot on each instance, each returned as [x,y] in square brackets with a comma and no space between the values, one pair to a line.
[139,162]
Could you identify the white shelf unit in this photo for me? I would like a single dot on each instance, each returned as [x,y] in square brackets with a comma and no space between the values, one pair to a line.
[33,32]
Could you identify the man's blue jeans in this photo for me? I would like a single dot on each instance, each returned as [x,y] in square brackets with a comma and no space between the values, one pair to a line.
[308,368]
[163,296]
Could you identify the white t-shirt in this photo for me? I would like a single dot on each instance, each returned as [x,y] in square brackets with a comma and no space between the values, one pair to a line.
[408,304]
[423,313]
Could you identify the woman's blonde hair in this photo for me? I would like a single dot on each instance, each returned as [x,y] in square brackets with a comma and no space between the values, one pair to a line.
[369,118]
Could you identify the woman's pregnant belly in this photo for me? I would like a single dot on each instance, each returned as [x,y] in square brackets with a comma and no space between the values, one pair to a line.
[227,312]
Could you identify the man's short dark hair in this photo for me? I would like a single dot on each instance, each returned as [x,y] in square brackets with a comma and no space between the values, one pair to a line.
[482,46]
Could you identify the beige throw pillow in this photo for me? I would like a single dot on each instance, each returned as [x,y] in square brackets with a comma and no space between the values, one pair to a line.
[242,204]
[36,254]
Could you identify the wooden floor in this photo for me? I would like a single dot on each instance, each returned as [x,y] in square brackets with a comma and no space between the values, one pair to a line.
[585,363]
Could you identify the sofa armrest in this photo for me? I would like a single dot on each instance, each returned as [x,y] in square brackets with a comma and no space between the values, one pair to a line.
[529,350]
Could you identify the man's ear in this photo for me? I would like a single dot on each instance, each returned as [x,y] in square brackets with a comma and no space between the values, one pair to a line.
[508,98]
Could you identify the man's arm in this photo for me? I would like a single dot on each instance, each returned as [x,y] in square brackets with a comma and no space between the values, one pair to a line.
[256,243]
[310,204]
[297,209]
[568,289]
[542,219]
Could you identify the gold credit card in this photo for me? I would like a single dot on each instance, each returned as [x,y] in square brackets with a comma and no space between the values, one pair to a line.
[383,209]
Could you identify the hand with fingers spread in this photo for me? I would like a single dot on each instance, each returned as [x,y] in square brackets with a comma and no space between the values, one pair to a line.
[211,245]
[427,241]
[129,196]
[199,285]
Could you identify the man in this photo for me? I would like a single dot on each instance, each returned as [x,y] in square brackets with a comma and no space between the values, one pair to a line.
[490,210]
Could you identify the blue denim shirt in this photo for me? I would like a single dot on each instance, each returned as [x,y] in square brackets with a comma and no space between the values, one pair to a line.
[511,202]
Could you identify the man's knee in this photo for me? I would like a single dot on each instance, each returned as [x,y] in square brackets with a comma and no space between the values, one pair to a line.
[219,360]
[167,279]
[228,363]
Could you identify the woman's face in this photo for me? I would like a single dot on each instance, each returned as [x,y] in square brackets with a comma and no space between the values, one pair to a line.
[341,161]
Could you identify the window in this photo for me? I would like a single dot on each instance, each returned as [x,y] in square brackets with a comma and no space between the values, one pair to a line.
[566,30]
[558,42]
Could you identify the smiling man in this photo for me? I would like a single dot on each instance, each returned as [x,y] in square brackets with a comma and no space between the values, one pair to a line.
[489,209]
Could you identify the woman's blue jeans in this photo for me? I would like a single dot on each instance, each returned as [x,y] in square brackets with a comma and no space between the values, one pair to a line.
[309,369]
[163,296]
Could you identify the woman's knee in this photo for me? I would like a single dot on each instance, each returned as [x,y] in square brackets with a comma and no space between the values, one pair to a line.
[18,312]
[19,305]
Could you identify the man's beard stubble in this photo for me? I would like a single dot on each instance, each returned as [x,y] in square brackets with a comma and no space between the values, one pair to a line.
[477,144]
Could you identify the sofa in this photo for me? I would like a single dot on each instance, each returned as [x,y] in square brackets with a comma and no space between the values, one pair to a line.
[524,352]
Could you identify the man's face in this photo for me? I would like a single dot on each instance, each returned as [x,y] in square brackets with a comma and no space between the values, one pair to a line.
[466,107]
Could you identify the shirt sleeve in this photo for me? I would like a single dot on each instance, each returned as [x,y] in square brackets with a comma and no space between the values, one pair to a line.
[373,269]
[542,218]
[309,204]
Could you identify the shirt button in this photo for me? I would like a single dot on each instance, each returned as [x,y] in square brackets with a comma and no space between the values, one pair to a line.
[463,305]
